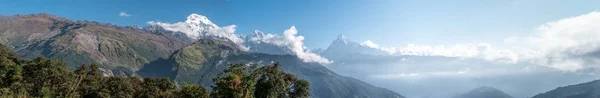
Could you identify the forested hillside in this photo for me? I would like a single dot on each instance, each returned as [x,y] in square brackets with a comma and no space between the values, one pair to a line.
[43,77]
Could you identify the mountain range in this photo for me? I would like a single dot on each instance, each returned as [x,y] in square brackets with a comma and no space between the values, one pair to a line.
[197,50]
[421,76]
[158,51]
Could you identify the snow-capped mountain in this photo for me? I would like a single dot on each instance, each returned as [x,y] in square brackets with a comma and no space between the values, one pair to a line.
[198,26]
[344,46]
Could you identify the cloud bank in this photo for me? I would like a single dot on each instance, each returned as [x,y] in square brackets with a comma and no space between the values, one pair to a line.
[482,51]
[293,42]
[370,44]
[570,44]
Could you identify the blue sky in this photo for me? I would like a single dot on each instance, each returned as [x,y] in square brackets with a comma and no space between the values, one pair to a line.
[386,22]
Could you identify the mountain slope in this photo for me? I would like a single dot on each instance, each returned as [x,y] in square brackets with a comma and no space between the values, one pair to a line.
[583,90]
[484,92]
[84,42]
[205,59]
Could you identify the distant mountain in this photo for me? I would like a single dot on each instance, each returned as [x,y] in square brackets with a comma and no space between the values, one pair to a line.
[343,46]
[484,92]
[583,90]
[206,58]
[422,76]
[85,42]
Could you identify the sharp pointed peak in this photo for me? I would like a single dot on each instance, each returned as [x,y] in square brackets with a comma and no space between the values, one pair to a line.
[199,19]
[341,37]
[257,31]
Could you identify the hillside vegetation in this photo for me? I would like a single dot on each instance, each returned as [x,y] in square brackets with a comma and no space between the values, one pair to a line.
[43,77]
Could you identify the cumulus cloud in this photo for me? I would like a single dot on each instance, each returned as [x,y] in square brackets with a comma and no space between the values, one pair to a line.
[568,44]
[296,44]
[123,14]
[292,41]
[198,26]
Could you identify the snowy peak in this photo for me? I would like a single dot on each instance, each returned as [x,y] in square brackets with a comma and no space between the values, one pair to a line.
[258,32]
[341,39]
[198,26]
[257,35]
[197,20]
[343,46]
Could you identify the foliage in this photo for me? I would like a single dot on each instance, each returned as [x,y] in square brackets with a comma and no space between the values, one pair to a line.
[238,82]
[274,83]
[192,91]
[243,81]
[50,78]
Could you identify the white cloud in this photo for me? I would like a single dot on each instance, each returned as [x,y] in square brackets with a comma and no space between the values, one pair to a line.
[370,44]
[567,44]
[124,14]
[482,51]
[298,47]
[198,26]
[292,41]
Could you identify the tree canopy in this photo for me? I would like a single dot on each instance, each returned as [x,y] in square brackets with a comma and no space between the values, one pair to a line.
[42,77]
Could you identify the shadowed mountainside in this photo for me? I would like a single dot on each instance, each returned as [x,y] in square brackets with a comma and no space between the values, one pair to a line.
[583,90]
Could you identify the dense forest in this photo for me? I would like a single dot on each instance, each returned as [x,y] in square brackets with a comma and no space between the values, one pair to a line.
[41,77]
